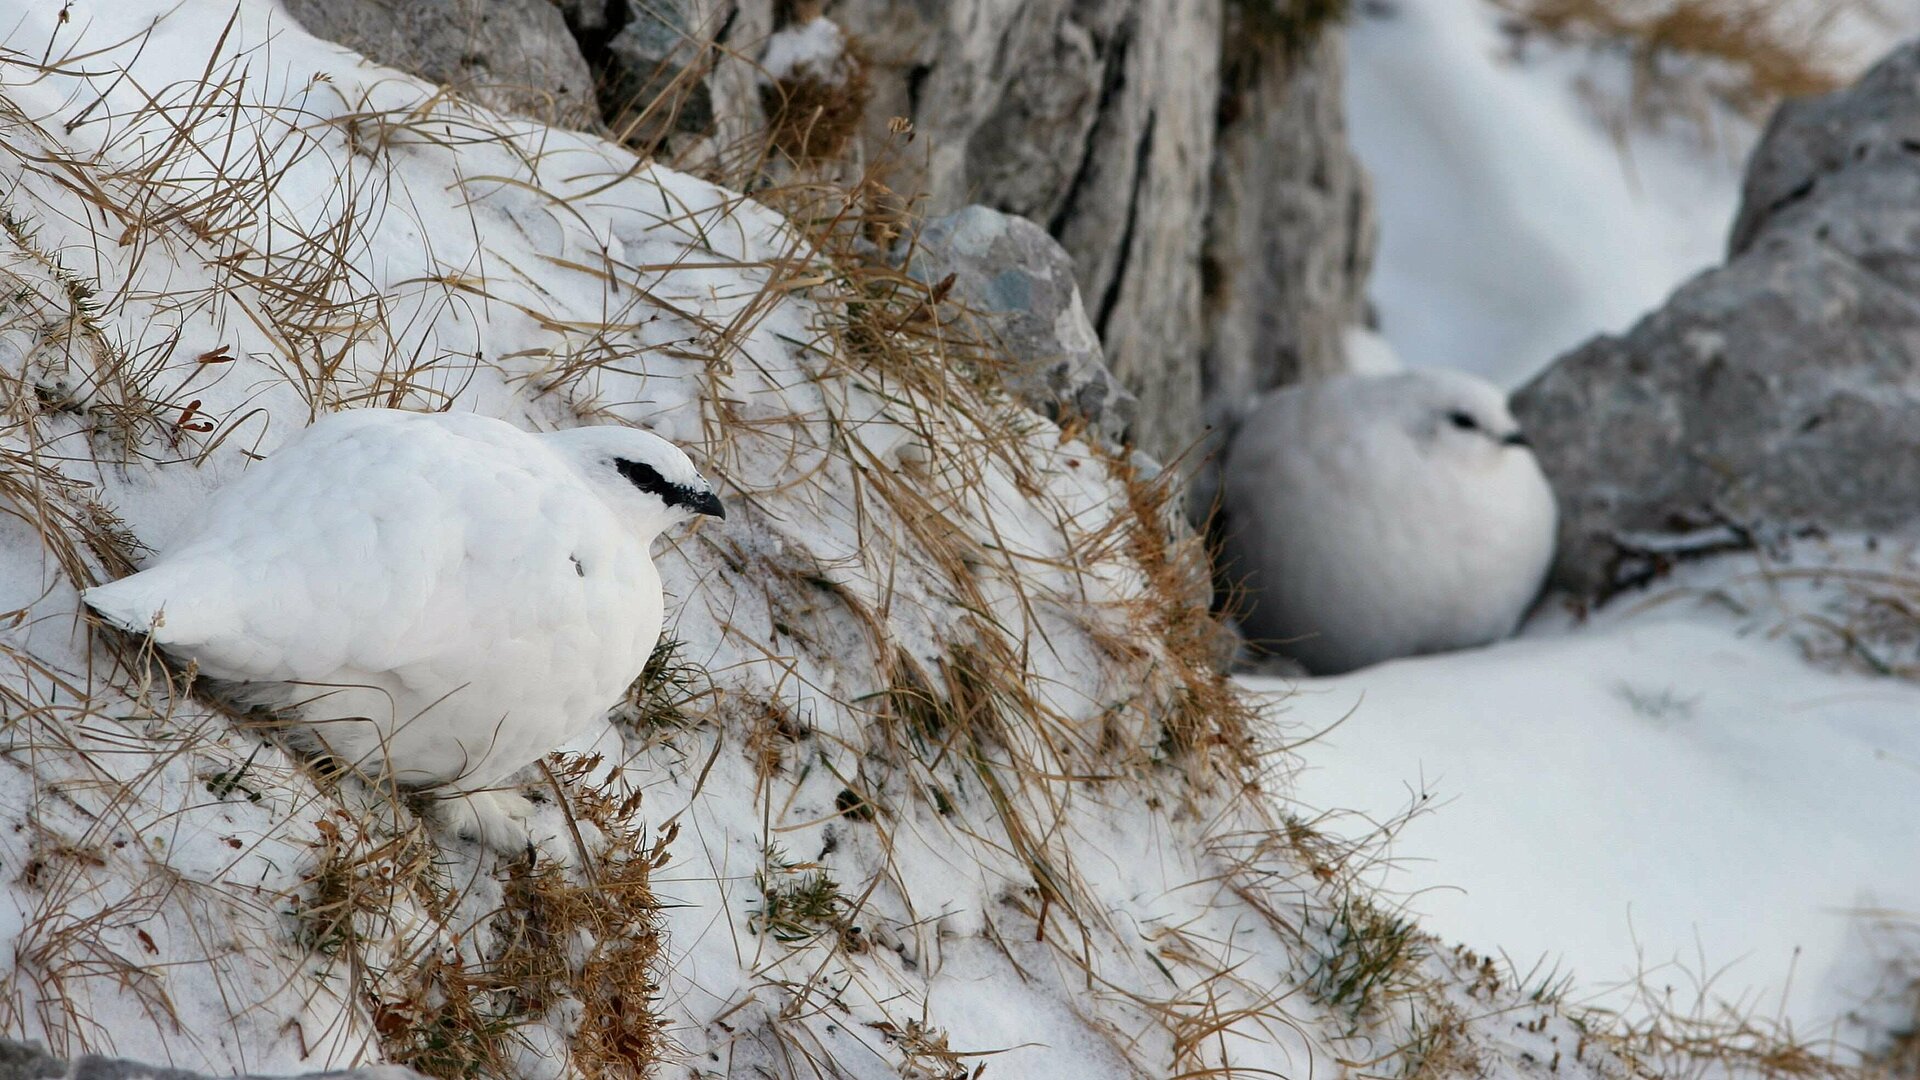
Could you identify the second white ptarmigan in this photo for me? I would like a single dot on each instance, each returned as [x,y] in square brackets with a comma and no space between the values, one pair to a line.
[1376,516]
[444,598]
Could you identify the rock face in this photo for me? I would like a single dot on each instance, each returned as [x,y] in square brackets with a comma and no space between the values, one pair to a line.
[515,55]
[1095,120]
[1193,163]
[1781,388]
[1020,280]
[650,63]
[27,1061]
[1290,237]
[1190,155]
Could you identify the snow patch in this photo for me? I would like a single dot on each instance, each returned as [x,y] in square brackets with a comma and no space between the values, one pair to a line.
[808,50]
[1667,795]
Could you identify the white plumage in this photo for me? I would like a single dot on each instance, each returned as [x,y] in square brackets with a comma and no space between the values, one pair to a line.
[445,598]
[1371,517]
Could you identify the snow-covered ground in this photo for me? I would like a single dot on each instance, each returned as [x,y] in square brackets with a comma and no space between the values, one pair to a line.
[1667,805]
[1522,210]
[1666,795]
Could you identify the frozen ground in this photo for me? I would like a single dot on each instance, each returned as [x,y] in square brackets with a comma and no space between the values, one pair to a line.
[1520,211]
[1670,799]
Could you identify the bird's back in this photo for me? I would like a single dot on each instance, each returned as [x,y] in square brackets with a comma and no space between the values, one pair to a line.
[1357,546]
[448,571]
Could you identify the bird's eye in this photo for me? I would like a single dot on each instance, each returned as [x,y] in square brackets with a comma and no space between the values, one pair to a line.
[1463,421]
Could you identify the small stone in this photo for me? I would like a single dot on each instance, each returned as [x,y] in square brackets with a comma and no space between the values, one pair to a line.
[1020,279]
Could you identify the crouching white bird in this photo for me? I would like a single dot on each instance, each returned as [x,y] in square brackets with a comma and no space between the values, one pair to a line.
[443,598]
[1371,517]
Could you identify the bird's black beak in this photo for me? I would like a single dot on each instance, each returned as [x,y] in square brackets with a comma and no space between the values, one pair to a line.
[1518,438]
[707,503]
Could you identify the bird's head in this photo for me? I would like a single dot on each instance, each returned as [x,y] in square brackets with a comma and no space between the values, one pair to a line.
[1463,417]
[642,471]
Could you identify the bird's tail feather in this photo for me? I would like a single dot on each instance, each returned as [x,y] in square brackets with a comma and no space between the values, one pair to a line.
[136,604]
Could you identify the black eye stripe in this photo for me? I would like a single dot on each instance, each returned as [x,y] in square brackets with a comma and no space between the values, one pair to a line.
[648,479]
[1463,421]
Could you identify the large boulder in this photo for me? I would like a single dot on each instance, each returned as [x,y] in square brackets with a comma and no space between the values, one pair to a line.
[1782,388]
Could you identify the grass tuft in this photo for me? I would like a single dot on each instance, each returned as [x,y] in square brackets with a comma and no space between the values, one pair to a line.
[1756,52]
[457,999]
[813,118]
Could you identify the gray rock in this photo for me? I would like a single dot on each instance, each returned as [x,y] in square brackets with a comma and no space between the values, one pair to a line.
[1811,139]
[27,1061]
[653,72]
[1109,124]
[514,55]
[1020,279]
[1780,389]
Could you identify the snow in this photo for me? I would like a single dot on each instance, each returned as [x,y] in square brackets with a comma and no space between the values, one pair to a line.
[811,49]
[1669,796]
[259,228]
[1514,222]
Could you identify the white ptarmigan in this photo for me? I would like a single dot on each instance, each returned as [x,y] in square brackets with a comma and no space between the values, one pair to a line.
[444,598]
[1376,516]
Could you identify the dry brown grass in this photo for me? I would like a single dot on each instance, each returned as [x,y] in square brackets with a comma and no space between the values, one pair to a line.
[456,999]
[811,118]
[1756,53]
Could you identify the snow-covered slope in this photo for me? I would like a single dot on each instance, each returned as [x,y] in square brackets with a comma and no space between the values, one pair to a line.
[937,777]
[1668,804]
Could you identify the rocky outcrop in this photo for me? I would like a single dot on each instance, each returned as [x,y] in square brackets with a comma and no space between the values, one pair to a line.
[1189,154]
[1095,120]
[1018,279]
[515,55]
[1782,388]
[27,1061]
[1191,158]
